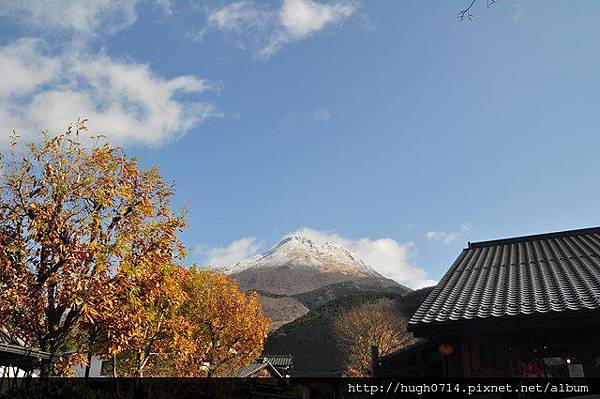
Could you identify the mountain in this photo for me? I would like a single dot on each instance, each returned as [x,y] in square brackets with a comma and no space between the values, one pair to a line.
[303,286]
[298,338]
[311,340]
[283,309]
[298,264]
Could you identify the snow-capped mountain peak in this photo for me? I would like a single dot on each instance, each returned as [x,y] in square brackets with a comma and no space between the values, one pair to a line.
[301,252]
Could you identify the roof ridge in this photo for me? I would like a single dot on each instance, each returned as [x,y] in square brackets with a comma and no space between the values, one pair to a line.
[534,237]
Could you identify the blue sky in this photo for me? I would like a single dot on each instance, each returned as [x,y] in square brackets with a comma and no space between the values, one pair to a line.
[388,126]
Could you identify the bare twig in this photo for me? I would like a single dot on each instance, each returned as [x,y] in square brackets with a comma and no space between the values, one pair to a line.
[466,13]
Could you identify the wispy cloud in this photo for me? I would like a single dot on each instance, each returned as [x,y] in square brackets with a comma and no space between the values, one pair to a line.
[271,28]
[321,115]
[447,235]
[516,18]
[228,255]
[85,17]
[439,235]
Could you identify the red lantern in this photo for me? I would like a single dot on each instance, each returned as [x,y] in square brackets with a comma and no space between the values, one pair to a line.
[445,349]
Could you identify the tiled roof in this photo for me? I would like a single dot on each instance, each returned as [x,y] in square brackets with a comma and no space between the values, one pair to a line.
[553,272]
[279,360]
[254,367]
[249,369]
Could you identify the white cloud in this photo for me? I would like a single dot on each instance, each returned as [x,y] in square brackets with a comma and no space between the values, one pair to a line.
[124,100]
[301,18]
[80,16]
[83,17]
[25,68]
[447,236]
[321,115]
[438,235]
[386,255]
[241,249]
[272,28]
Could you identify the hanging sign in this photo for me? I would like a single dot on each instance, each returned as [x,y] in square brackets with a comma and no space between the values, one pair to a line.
[576,370]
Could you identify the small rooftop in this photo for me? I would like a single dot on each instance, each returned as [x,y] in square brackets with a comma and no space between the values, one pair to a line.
[278,360]
[253,368]
[22,351]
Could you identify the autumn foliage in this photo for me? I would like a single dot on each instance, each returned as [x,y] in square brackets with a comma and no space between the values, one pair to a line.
[208,327]
[226,327]
[89,255]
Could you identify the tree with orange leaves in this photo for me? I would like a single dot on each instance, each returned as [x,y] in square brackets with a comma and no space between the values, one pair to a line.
[146,331]
[81,228]
[88,252]
[226,327]
[197,324]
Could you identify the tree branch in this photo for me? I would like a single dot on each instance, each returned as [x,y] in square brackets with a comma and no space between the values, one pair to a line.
[466,13]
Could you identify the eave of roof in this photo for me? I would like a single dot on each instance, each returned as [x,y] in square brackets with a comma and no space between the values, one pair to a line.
[21,351]
[418,344]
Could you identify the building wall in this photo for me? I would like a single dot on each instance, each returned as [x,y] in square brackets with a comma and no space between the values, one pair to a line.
[544,353]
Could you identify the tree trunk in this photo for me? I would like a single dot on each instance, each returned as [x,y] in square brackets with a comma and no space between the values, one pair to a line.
[114,376]
[91,340]
[138,365]
[89,363]
[47,366]
[44,366]
[114,366]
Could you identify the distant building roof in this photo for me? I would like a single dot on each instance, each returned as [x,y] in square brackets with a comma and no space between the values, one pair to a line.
[17,350]
[16,356]
[555,272]
[251,369]
[279,360]
[415,345]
